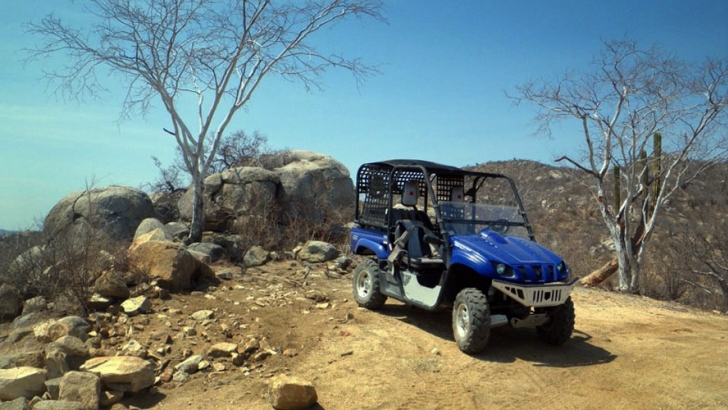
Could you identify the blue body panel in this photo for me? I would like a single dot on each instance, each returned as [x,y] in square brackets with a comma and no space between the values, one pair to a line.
[370,239]
[527,261]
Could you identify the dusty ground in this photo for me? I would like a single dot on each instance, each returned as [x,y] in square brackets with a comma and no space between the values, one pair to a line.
[626,352]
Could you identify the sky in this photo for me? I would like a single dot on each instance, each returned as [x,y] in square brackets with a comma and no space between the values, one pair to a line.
[445,72]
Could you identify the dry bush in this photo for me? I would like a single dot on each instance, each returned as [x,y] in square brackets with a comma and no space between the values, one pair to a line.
[63,268]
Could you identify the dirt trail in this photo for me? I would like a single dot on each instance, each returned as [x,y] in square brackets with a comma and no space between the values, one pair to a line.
[627,352]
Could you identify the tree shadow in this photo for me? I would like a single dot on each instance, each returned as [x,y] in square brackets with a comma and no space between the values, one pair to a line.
[507,344]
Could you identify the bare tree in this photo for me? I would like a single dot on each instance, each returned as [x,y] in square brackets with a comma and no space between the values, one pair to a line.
[632,95]
[212,53]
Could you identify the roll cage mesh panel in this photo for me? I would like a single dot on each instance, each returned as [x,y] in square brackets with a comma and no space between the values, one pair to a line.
[376,182]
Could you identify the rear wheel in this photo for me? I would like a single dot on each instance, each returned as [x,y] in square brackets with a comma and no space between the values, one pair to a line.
[471,320]
[365,285]
[560,326]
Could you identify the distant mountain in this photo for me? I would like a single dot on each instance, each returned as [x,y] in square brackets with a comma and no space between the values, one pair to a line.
[4,232]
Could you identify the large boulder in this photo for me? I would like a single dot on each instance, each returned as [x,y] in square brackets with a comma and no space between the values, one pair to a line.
[312,183]
[234,196]
[318,251]
[168,263]
[116,211]
[301,185]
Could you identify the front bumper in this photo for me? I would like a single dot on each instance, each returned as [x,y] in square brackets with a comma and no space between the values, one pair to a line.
[546,295]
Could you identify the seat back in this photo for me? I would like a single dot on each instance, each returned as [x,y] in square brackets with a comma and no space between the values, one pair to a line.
[457,194]
[410,193]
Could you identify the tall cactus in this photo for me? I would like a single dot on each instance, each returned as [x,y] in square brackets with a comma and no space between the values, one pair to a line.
[656,167]
[617,188]
[645,171]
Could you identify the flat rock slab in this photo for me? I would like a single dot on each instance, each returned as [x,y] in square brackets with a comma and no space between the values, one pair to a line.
[122,373]
[25,382]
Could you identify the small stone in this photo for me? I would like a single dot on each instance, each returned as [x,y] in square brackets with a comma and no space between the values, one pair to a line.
[218,367]
[290,353]
[201,315]
[137,305]
[262,355]
[222,350]
[109,397]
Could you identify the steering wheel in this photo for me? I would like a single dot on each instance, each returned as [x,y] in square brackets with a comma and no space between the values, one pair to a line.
[500,226]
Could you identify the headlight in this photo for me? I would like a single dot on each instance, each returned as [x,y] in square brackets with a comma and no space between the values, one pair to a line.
[562,271]
[500,268]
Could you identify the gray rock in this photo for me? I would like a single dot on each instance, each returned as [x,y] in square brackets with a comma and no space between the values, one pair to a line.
[115,211]
[82,387]
[148,225]
[32,358]
[10,303]
[201,315]
[312,183]
[318,251]
[137,305]
[35,304]
[177,230]
[227,273]
[112,285]
[19,334]
[28,320]
[53,387]
[58,405]
[134,348]
[213,251]
[21,403]
[190,365]
[69,326]
[65,354]
[223,349]
[239,191]
[256,256]
[98,302]
[21,382]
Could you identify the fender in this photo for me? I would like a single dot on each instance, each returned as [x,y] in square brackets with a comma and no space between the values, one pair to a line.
[463,255]
[368,239]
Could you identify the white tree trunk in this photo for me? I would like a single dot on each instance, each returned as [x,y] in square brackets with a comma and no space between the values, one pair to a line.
[198,208]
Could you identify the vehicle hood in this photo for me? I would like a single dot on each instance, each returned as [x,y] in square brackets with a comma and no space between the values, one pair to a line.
[509,250]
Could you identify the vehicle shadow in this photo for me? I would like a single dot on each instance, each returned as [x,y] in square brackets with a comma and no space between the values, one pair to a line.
[507,344]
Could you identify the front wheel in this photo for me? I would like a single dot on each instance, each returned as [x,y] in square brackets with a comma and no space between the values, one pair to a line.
[471,320]
[365,285]
[560,326]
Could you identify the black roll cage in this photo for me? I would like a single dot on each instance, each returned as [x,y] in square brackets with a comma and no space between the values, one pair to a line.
[380,181]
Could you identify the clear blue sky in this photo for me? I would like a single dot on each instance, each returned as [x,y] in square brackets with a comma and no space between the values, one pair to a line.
[445,68]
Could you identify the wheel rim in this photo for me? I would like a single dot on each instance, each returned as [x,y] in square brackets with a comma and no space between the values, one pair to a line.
[363,285]
[462,320]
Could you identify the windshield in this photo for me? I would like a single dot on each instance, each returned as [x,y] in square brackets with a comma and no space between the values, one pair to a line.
[468,218]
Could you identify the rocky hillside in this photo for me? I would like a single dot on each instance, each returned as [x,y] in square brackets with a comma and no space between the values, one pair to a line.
[562,208]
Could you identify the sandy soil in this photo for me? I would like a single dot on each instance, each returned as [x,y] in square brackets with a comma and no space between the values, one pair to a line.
[626,352]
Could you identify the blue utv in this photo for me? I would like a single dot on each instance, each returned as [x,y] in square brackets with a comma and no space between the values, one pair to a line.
[443,237]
